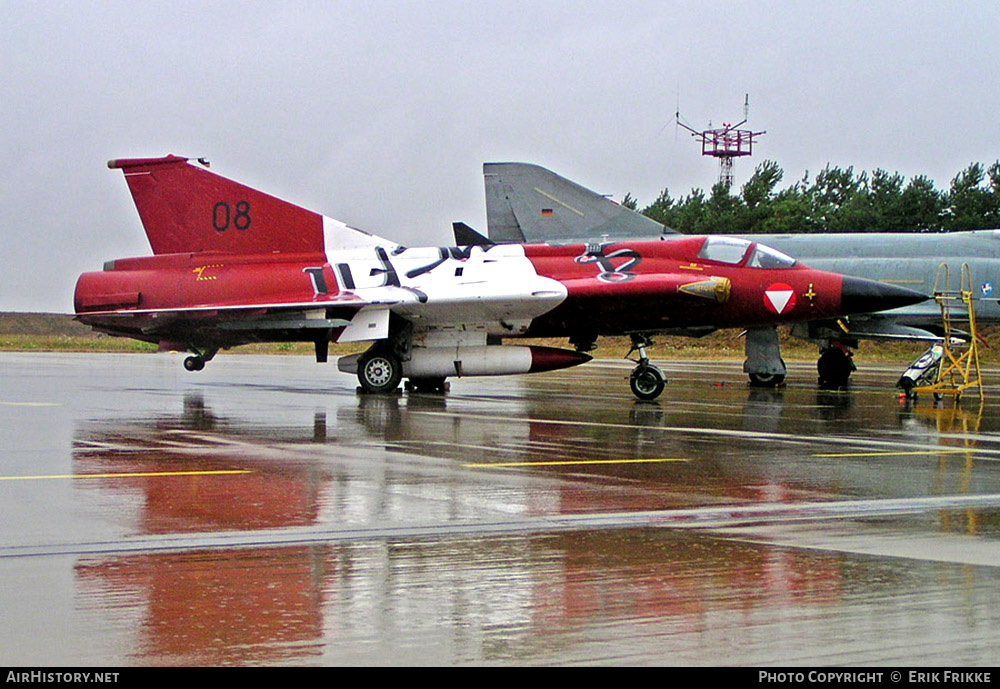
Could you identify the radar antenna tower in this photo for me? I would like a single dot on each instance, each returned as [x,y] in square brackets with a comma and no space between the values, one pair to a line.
[725,143]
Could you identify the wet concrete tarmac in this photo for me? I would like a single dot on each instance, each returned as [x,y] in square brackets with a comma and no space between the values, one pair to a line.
[261,512]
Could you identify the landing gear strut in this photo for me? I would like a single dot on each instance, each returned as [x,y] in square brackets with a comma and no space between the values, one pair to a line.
[197,361]
[764,365]
[646,380]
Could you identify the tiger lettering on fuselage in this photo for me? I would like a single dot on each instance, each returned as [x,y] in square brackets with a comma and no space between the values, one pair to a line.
[408,267]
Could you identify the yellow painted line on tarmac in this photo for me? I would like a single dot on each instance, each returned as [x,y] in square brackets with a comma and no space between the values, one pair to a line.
[135,474]
[897,454]
[576,461]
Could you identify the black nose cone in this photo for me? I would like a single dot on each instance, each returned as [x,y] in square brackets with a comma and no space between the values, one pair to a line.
[859,295]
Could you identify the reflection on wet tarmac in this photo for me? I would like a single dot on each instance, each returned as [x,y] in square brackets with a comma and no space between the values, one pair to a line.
[620,597]
[151,555]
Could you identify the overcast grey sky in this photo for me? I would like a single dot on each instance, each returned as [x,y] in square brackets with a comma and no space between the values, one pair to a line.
[381,114]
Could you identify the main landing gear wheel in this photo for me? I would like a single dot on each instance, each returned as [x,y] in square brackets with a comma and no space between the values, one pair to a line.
[647,382]
[835,367]
[766,380]
[379,372]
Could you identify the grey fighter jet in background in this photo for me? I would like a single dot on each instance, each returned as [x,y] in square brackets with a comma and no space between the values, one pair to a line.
[528,203]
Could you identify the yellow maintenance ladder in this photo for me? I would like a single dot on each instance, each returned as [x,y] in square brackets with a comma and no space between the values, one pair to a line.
[959,369]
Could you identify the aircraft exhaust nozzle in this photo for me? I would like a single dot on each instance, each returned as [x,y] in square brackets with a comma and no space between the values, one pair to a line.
[859,295]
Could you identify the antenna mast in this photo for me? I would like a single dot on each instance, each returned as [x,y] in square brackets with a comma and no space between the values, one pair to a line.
[725,143]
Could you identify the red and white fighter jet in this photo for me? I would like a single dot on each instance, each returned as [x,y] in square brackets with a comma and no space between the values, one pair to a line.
[233,265]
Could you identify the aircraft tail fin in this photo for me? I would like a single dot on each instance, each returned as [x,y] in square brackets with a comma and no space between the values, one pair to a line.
[528,203]
[186,208]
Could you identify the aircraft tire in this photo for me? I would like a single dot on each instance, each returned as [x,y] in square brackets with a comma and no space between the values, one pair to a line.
[379,372]
[647,382]
[835,368]
[194,363]
[766,380]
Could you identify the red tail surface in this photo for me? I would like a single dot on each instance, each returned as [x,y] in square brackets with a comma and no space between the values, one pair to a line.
[185,208]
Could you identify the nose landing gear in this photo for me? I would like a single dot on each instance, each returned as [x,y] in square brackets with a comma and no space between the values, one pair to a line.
[647,381]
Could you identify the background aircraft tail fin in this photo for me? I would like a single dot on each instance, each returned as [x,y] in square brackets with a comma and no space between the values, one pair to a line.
[528,203]
[186,208]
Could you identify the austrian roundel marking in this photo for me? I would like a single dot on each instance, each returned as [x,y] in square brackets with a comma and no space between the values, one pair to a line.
[779,298]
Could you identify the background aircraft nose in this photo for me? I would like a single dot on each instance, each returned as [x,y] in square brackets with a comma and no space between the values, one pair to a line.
[859,295]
